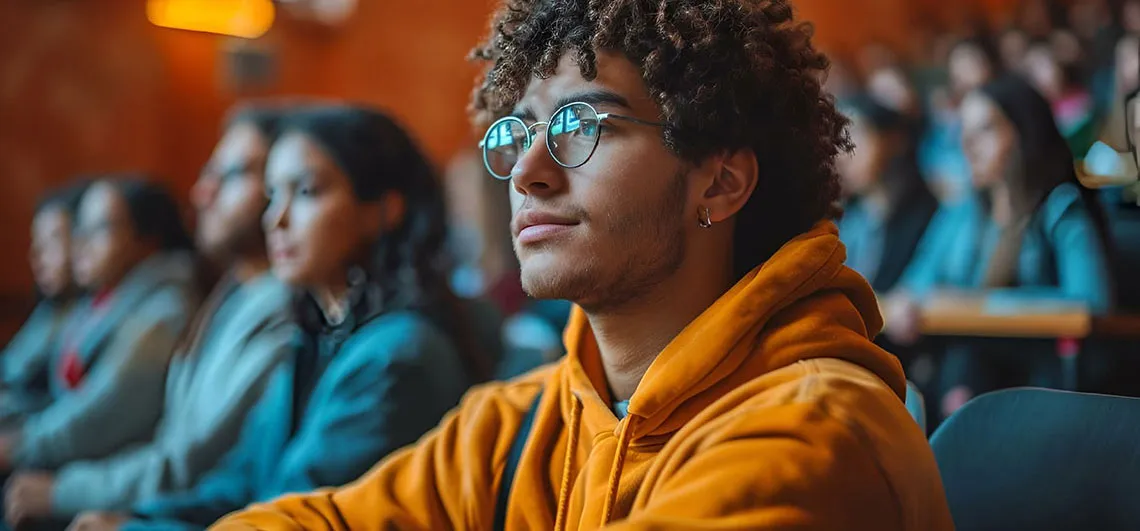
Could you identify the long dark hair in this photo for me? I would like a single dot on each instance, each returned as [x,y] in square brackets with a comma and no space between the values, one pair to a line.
[1046,162]
[407,263]
[154,213]
[264,116]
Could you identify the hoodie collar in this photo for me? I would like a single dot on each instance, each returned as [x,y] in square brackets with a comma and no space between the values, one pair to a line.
[802,303]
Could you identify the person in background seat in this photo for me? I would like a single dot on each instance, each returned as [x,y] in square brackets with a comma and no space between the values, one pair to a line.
[242,332]
[1030,236]
[25,359]
[355,224]
[132,254]
[887,203]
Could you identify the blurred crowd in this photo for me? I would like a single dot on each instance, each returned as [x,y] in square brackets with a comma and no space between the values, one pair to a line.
[317,304]
[999,163]
[336,293]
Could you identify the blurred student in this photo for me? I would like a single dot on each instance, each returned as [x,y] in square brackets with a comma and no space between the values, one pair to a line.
[719,372]
[1031,235]
[972,62]
[131,252]
[1072,105]
[1012,43]
[355,224]
[242,332]
[1125,81]
[887,203]
[24,361]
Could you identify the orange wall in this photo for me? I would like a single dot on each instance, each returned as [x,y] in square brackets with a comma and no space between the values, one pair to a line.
[91,86]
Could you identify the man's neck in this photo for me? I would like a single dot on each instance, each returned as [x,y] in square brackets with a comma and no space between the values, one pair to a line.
[332,299]
[631,336]
[249,267]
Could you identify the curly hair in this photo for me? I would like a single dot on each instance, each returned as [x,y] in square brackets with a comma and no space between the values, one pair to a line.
[726,74]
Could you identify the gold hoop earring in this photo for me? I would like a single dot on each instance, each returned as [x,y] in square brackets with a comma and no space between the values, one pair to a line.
[704,218]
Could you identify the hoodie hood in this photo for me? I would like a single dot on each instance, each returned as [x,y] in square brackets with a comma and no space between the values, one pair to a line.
[801,304]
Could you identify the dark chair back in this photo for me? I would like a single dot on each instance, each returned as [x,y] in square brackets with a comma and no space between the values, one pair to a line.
[1042,460]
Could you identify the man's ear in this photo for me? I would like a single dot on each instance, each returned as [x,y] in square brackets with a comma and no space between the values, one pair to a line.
[732,185]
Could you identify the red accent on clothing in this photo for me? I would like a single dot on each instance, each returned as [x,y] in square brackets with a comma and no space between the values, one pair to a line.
[72,370]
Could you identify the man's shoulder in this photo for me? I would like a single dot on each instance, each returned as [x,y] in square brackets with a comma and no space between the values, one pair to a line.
[264,295]
[814,396]
[836,386]
[830,404]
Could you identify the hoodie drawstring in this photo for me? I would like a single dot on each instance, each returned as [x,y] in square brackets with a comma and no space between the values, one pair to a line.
[615,470]
[571,449]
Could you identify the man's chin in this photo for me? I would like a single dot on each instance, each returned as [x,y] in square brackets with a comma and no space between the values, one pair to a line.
[553,283]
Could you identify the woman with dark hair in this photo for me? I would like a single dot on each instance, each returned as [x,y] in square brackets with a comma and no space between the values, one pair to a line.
[887,204]
[1033,235]
[355,224]
[24,361]
[131,253]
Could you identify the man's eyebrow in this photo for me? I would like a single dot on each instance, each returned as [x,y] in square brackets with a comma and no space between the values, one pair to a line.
[593,97]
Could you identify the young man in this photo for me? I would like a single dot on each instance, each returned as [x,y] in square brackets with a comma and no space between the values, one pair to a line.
[671,167]
[239,335]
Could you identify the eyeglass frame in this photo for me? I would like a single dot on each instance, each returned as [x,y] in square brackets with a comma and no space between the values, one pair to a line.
[530,134]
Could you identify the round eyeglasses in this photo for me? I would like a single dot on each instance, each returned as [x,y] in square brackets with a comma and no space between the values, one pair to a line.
[572,135]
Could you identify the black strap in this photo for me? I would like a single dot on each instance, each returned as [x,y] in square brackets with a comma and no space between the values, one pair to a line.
[508,477]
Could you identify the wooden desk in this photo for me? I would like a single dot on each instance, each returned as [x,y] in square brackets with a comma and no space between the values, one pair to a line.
[966,316]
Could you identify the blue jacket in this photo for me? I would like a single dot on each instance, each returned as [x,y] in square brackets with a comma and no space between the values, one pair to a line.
[1062,255]
[24,363]
[373,392]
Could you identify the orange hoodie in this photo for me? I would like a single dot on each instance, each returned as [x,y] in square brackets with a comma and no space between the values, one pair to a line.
[771,410]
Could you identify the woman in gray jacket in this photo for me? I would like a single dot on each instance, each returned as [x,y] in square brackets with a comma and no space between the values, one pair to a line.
[132,254]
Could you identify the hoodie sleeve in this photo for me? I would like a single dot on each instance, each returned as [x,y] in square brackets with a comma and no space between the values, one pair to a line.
[430,485]
[120,400]
[175,462]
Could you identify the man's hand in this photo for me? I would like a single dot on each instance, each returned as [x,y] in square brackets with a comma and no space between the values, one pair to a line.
[98,521]
[27,496]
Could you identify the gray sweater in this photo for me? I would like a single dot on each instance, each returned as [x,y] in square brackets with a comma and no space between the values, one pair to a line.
[124,352]
[209,390]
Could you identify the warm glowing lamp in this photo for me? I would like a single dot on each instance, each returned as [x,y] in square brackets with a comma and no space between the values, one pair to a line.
[248,19]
